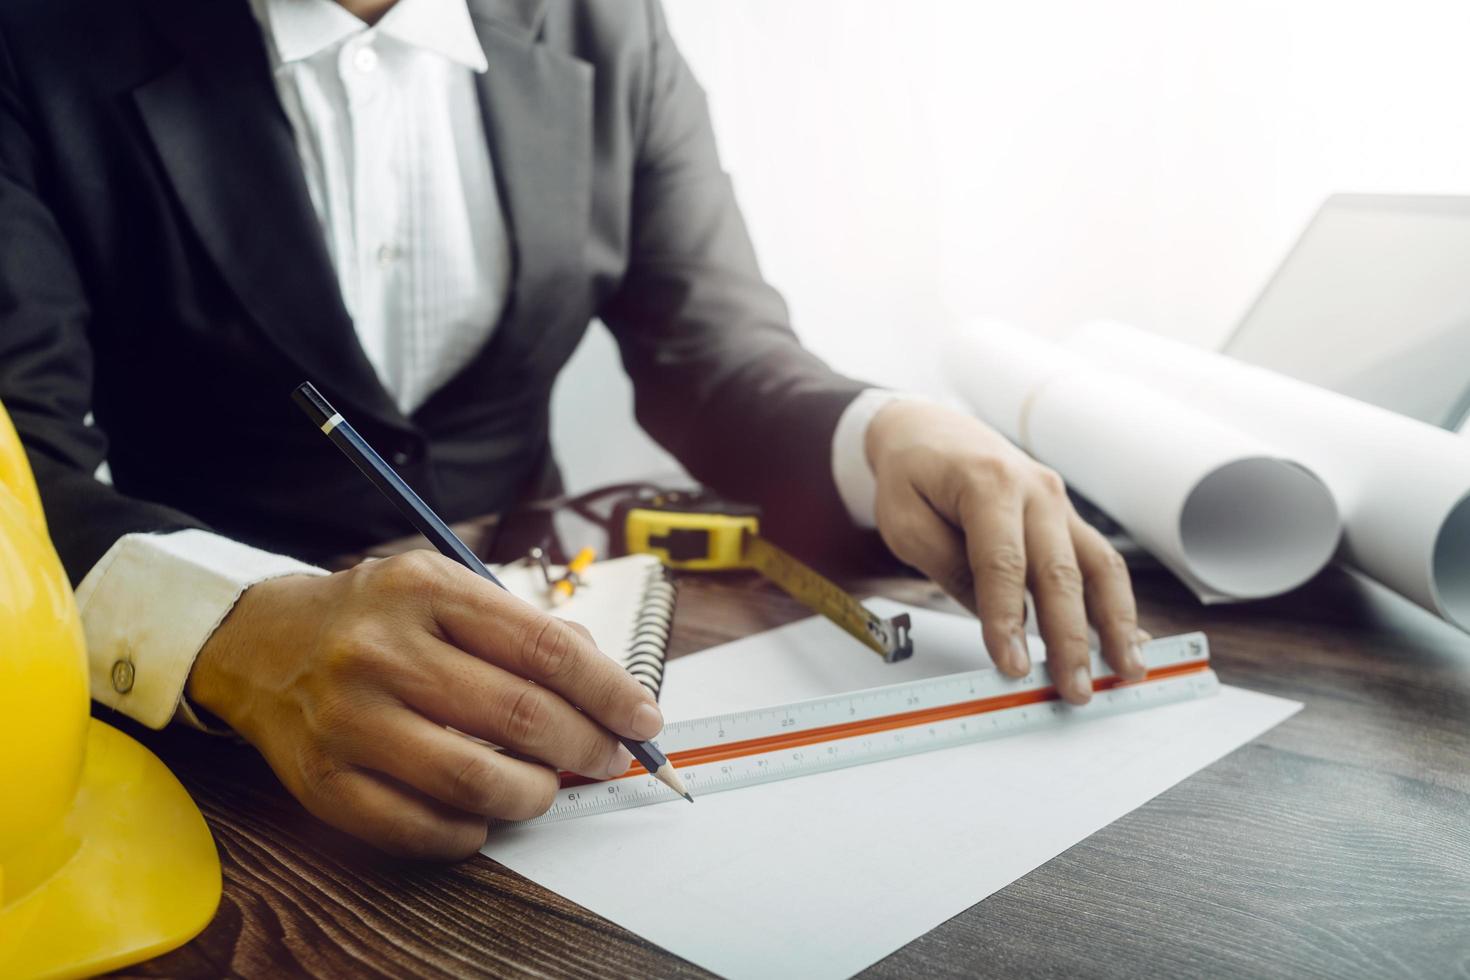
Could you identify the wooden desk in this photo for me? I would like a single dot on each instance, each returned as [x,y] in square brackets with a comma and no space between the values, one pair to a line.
[1337,845]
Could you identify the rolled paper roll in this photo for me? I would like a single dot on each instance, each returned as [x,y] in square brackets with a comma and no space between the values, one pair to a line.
[1403,486]
[1231,514]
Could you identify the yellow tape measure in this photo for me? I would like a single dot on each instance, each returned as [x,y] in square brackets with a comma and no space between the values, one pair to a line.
[697,532]
[889,637]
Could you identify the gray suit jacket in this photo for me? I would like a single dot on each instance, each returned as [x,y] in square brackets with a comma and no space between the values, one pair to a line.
[161,268]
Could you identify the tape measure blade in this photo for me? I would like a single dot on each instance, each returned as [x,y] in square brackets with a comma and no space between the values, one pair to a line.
[888,638]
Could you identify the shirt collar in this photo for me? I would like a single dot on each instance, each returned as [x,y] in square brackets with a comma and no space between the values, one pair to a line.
[299,29]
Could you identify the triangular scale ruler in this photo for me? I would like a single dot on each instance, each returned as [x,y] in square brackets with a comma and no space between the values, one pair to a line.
[733,751]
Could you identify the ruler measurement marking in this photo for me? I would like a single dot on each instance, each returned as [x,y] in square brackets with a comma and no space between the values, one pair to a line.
[789,736]
[764,771]
[721,760]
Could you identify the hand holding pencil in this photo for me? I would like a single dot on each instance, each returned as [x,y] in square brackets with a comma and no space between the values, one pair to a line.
[439,534]
[349,684]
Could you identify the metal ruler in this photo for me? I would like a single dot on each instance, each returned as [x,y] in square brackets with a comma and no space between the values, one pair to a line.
[748,748]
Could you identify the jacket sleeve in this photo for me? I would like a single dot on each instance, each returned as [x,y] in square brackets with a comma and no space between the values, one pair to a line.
[46,356]
[719,377]
[148,600]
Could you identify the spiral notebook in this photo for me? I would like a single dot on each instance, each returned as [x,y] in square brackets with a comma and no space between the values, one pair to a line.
[626,603]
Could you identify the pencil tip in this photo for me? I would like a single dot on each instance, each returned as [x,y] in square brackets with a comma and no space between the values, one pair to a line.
[688,797]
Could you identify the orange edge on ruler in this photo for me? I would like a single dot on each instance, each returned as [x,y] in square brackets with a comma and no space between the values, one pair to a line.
[907,719]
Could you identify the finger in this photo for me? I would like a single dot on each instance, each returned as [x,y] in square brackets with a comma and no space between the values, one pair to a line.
[1108,592]
[1056,583]
[502,630]
[395,818]
[923,539]
[991,518]
[454,770]
[451,687]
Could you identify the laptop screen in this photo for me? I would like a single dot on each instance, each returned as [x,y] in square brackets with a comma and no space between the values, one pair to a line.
[1373,301]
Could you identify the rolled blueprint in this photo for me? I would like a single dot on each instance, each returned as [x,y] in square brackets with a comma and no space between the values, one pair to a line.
[1225,511]
[1403,485]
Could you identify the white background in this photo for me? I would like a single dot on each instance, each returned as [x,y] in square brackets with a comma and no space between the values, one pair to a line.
[905,163]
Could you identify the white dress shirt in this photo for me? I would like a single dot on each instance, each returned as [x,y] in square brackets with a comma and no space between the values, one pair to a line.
[393,145]
[393,148]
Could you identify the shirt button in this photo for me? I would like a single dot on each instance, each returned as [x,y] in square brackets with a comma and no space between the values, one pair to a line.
[401,458]
[387,255]
[365,60]
[122,676]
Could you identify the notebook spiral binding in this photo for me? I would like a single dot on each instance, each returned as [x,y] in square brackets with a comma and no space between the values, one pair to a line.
[649,645]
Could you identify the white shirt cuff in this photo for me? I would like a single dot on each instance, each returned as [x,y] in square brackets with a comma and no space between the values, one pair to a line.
[152,601]
[850,470]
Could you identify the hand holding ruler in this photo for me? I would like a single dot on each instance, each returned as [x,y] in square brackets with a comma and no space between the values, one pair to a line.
[732,751]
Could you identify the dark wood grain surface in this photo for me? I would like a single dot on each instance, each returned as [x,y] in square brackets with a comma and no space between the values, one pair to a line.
[1337,845]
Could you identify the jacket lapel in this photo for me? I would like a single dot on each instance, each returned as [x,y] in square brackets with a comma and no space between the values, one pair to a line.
[229,152]
[537,105]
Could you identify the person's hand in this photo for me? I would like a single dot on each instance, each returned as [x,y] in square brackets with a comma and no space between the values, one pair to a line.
[346,684]
[964,506]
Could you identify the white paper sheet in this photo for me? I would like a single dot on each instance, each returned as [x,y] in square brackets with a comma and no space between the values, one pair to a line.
[1403,486]
[820,876]
[1225,511]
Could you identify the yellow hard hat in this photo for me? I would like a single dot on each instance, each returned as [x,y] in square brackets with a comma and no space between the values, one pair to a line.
[104,859]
